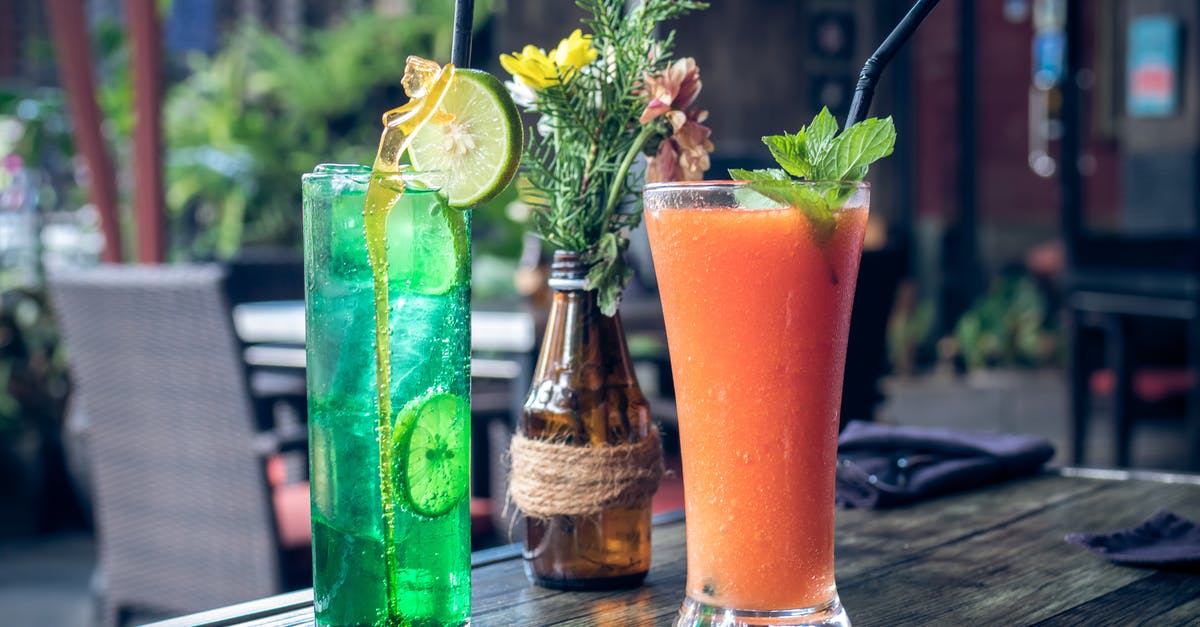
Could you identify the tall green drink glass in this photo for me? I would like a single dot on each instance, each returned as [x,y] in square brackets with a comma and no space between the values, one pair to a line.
[390,505]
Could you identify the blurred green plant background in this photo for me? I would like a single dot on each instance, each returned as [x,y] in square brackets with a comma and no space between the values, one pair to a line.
[1009,326]
[36,169]
[1012,325]
[242,125]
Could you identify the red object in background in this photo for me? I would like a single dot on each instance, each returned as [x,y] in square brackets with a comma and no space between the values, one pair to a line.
[73,45]
[935,104]
[1154,81]
[1151,385]
[146,58]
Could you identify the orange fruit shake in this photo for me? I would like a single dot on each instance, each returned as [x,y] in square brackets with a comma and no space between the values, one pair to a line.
[757,304]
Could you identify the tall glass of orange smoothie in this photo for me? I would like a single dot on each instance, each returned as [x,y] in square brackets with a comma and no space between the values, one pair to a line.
[757,296]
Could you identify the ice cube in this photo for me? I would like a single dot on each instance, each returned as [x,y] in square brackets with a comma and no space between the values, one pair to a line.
[341,344]
[349,248]
[418,324]
[428,243]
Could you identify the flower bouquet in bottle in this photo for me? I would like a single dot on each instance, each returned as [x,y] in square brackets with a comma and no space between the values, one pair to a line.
[586,459]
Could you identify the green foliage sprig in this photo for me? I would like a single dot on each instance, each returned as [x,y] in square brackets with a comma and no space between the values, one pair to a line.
[818,153]
[577,163]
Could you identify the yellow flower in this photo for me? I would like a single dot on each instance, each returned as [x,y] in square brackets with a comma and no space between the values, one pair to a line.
[531,67]
[574,52]
[538,70]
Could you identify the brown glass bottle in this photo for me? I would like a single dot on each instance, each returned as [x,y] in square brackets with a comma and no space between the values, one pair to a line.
[584,393]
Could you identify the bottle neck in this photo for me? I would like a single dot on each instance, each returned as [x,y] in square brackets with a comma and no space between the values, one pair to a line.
[568,272]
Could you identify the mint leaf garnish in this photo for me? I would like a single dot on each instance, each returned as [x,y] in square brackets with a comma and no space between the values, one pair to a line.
[809,199]
[818,153]
[813,200]
[812,152]
[791,153]
[860,146]
[820,136]
[759,175]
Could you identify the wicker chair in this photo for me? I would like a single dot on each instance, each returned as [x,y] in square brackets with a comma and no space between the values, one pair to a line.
[184,509]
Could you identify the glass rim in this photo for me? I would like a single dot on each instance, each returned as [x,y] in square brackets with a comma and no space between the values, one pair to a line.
[355,170]
[735,183]
[419,180]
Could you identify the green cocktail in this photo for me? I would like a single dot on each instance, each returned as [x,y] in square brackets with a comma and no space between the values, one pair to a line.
[387,274]
[390,541]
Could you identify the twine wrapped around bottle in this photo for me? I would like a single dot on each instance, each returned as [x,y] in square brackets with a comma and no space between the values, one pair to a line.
[550,479]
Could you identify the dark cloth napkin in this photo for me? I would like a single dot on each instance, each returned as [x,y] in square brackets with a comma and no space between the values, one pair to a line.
[885,465]
[1163,539]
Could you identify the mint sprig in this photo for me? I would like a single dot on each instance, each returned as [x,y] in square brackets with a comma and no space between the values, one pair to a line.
[858,147]
[818,153]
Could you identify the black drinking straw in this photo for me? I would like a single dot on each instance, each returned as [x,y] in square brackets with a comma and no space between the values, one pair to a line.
[460,49]
[865,90]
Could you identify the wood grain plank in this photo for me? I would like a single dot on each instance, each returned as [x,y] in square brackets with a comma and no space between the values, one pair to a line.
[503,596]
[968,558]
[1187,614]
[1024,564]
[869,541]
[1145,601]
[991,556]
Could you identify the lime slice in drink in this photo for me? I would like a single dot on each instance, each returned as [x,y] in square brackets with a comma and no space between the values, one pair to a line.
[480,147]
[431,454]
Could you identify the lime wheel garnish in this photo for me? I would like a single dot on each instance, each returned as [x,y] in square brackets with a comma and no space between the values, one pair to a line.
[431,453]
[478,145]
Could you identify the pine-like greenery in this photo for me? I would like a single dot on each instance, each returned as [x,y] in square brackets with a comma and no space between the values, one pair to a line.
[583,197]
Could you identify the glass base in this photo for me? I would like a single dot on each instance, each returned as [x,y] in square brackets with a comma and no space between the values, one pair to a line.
[697,614]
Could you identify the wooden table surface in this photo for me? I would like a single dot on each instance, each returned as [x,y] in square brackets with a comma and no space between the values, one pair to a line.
[994,556]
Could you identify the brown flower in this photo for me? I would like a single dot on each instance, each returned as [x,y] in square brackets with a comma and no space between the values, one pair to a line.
[684,155]
[664,166]
[676,87]
[688,130]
